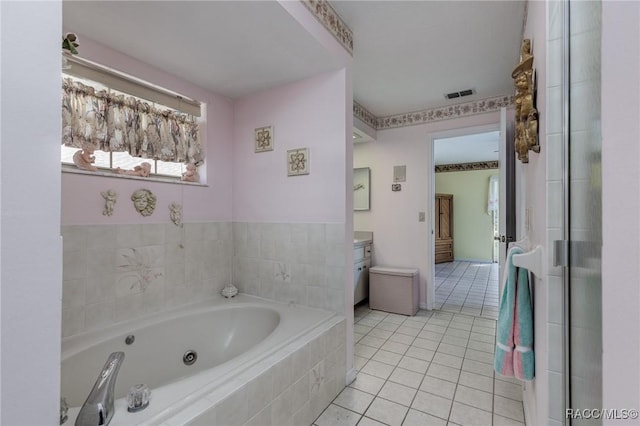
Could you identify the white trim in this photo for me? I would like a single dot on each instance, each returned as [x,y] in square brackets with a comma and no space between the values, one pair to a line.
[430,290]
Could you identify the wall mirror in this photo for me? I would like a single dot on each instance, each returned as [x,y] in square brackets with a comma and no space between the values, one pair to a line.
[361,188]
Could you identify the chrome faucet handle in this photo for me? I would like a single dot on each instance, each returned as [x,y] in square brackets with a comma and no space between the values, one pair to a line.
[98,409]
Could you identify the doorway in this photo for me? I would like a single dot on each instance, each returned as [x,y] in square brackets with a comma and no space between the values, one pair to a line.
[465,176]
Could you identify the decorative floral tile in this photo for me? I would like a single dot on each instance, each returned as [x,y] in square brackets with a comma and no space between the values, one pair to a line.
[298,162]
[264,139]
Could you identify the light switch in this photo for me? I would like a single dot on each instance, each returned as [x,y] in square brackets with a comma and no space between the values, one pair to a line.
[421,216]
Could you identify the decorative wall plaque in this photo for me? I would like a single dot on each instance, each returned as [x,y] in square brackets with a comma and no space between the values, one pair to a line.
[298,162]
[264,139]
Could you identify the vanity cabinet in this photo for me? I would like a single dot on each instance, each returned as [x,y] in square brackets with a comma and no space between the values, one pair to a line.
[443,228]
[361,265]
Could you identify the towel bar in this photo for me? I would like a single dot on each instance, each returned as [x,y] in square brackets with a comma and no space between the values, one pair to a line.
[531,260]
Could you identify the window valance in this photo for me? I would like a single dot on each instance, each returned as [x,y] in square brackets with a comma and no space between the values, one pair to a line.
[113,121]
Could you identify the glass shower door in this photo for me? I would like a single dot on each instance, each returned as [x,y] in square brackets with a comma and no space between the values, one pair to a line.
[583,221]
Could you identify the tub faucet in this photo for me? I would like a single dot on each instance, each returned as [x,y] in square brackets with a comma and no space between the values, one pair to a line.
[97,410]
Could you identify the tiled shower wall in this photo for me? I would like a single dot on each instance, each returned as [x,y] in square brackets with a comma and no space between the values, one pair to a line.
[113,273]
[303,263]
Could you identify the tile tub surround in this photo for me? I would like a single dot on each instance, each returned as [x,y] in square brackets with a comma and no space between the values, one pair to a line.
[113,273]
[303,263]
[291,387]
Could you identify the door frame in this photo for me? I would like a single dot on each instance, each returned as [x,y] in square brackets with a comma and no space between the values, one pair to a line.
[431,194]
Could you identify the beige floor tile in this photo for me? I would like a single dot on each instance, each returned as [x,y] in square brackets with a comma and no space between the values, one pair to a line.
[457,333]
[364,351]
[469,416]
[481,356]
[401,338]
[377,369]
[431,335]
[478,367]
[438,387]
[503,421]
[432,404]
[359,362]
[443,372]
[399,348]
[458,325]
[362,329]
[481,346]
[475,398]
[388,326]
[482,338]
[448,349]
[458,341]
[403,329]
[367,383]
[380,333]
[337,416]
[425,344]
[374,342]
[448,360]
[439,321]
[508,390]
[508,408]
[418,418]
[366,421]
[395,392]
[476,381]
[386,412]
[420,353]
[483,330]
[434,328]
[406,377]
[354,400]
[414,364]
[387,357]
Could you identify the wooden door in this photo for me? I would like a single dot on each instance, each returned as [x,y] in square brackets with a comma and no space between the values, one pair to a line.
[444,228]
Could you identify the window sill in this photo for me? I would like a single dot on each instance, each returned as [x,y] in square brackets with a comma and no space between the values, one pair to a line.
[112,174]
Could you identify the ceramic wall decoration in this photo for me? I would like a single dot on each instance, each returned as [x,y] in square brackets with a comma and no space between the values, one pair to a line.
[143,170]
[264,139]
[526,112]
[175,213]
[110,197]
[298,162]
[144,201]
[84,158]
[191,175]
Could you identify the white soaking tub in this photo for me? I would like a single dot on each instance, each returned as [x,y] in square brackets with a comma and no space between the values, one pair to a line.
[230,336]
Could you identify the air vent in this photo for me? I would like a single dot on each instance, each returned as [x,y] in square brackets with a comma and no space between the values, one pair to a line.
[459,94]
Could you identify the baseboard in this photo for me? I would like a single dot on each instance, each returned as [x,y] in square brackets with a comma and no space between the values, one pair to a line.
[351,376]
[473,260]
[423,306]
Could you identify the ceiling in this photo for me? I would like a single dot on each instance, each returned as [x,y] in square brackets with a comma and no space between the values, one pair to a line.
[466,149]
[407,54]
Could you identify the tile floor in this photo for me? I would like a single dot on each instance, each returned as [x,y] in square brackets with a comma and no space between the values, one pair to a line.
[467,287]
[435,368]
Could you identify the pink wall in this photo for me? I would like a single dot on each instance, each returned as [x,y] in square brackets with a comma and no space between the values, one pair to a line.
[81,200]
[398,238]
[306,114]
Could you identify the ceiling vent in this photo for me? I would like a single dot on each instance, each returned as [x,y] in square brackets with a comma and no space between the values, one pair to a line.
[459,94]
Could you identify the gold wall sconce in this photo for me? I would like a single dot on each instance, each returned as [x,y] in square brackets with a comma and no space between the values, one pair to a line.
[526,112]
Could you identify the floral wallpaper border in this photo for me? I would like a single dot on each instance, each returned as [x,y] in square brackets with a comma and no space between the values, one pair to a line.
[465,167]
[328,17]
[434,114]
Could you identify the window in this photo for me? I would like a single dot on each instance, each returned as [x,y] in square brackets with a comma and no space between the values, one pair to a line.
[124,123]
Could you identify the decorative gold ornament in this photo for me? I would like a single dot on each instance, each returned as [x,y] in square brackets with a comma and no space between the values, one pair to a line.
[526,112]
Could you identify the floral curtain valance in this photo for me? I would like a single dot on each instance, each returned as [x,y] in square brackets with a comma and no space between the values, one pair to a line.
[117,122]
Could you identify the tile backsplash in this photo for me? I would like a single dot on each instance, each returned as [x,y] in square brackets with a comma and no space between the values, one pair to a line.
[303,263]
[114,273]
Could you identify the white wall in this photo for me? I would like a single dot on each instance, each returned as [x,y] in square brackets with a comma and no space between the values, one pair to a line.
[30,256]
[398,238]
[621,205]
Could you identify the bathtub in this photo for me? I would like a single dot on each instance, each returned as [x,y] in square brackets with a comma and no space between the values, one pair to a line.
[237,341]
